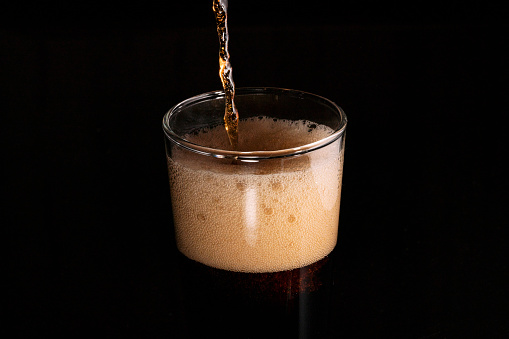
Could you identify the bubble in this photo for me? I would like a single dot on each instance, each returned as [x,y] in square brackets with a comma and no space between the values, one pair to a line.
[267,210]
[277,186]
[291,218]
[241,186]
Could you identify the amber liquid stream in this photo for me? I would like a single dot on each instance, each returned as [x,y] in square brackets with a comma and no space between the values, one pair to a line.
[231,116]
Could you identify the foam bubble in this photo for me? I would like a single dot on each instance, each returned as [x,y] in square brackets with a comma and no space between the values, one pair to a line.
[270,216]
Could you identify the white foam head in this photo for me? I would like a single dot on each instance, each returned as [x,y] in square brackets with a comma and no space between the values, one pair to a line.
[274,215]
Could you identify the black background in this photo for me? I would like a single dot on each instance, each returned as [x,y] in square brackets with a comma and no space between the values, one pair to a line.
[423,239]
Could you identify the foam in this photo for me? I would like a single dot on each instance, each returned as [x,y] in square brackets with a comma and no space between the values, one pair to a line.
[270,216]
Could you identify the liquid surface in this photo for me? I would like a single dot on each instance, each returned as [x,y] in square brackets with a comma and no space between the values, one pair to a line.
[270,216]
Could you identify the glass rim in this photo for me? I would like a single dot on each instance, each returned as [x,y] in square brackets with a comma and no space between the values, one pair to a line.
[252,155]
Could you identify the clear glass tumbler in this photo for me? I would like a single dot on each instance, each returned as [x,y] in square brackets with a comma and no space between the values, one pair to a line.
[256,226]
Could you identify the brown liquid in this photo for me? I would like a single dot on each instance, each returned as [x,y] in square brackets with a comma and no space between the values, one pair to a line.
[256,239]
[286,304]
[231,116]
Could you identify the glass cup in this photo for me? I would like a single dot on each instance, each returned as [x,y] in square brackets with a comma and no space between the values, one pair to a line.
[256,226]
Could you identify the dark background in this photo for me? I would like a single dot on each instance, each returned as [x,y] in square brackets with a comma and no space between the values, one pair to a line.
[423,240]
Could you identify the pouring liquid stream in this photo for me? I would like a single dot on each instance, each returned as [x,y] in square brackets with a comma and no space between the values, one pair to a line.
[231,116]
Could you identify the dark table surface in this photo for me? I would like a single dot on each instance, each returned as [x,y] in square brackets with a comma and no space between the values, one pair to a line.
[423,243]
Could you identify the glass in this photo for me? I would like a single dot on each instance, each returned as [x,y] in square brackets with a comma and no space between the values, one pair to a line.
[256,227]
